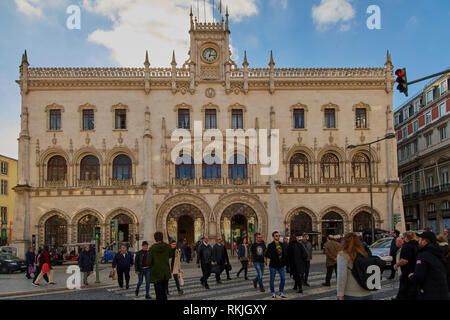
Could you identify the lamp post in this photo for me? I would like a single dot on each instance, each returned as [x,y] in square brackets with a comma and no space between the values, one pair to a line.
[388,136]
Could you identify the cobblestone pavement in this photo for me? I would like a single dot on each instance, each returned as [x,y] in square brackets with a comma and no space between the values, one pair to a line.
[235,289]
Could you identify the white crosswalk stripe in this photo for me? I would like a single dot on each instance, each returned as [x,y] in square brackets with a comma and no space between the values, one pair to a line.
[240,289]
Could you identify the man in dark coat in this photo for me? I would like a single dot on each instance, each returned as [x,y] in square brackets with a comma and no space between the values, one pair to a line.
[30,257]
[430,272]
[277,255]
[85,263]
[204,260]
[142,270]
[408,255]
[297,256]
[227,260]
[124,261]
[158,261]
[188,252]
[393,252]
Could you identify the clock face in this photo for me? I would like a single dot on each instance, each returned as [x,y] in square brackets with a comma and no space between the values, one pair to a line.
[210,55]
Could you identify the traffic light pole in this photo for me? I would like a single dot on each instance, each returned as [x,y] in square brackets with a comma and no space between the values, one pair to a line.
[428,77]
[97,256]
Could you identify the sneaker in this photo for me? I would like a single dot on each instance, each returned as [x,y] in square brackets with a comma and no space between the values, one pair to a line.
[127,287]
[35,284]
[52,283]
[274,296]
[282,296]
[246,278]
[229,279]
[237,275]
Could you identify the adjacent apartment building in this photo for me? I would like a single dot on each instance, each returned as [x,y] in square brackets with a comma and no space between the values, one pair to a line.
[8,180]
[423,146]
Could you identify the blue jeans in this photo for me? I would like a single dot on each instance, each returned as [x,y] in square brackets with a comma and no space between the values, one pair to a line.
[144,273]
[259,266]
[358,298]
[273,272]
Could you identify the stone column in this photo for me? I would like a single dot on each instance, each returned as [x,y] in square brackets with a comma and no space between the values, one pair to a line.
[148,225]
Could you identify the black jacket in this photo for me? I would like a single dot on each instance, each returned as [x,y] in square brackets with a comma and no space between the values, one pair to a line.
[139,260]
[430,273]
[446,252]
[30,257]
[393,249]
[205,254]
[297,257]
[85,262]
[258,251]
[220,258]
[274,257]
[409,252]
[123,262]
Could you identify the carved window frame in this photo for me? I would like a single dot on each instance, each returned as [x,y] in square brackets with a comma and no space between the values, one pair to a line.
[237,106]
[210,106]
[119,106]
[336,116]
[305,112]
[48,109]
[365,106]
[83,107]
[191,113]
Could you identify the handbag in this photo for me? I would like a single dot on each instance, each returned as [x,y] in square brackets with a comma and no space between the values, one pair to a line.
[115,276]
[180,278]
[215,268]
[111,273]
[31,270]
[228,267]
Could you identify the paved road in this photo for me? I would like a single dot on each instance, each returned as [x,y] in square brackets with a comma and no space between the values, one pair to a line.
[235,289]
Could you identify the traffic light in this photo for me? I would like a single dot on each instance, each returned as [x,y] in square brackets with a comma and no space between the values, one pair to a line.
[97,233]
[137,236]
[402,81]
[33,241]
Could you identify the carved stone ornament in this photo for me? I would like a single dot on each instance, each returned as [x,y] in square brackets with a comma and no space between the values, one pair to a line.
[299,138]
[88,140]
[54,140]
[120,139]
[362,138]
[104,145]
[210,93]
[71,146]
[330,138]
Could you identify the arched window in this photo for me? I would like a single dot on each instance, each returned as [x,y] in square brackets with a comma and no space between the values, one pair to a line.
[122,167]
[330,166]
[362,221]
[55,231]
[90,168]
[360,166]
[298,166]
[211,167]
[237,167]
[56,169]
[86,228]
[184,167]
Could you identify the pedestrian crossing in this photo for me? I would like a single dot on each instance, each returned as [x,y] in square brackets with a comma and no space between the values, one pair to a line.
[240,289]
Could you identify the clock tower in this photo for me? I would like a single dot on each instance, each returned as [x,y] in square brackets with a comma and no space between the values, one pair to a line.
[209,54]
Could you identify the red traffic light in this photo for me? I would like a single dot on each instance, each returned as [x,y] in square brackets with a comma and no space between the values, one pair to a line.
[399,73]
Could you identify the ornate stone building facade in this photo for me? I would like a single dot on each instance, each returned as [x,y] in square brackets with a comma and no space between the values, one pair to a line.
[95,143]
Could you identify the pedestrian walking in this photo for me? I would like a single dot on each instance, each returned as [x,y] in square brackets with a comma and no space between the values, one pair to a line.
[257,257]
[30,257]
[393,251]
[277,255]
[46,267]
[285,245]
[243,257]
[204,260]
[188,252]
[123,261]
[158,260]
[407,262]
[218,258]
[332,248]
[444,246]
[38,267]
[347,287]
[179,246]
[175,266]
[430,273]
[227,260]
[142,269]
[309,248]
[85,264]
[297,256]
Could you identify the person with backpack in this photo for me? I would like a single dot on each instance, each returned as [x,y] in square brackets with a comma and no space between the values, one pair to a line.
[430,273]
[407,263]
[348,286]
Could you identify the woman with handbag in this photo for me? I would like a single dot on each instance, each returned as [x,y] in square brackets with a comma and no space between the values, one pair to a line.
[243,255]
[44,261]
[175,267]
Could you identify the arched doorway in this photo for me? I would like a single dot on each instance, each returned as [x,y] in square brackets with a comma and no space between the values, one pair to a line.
[300,222]
[332,223]
[86,228]
[125,230]
[185,221]
[55,231]
[238,221]
[362,221]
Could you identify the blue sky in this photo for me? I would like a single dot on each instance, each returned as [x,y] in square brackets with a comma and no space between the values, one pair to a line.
[301,33]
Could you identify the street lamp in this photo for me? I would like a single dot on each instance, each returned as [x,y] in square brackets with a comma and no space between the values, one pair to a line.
[388,136]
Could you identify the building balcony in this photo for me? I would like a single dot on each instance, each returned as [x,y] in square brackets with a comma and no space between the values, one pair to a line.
[306,180]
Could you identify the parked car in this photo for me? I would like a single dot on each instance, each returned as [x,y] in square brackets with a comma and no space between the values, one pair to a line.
[381,248]
[10,263]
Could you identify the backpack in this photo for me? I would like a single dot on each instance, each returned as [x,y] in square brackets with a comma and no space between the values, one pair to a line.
[360,266]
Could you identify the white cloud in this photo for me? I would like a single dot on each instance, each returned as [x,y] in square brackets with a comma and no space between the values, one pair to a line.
[332,12]
[35,7]
[9,134]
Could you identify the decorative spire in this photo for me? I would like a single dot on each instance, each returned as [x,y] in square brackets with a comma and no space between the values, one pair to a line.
[174,62]
[192,20]
[245,63]
[146,63]
[226,21]
[25,58]
[388,58]
[271,63]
